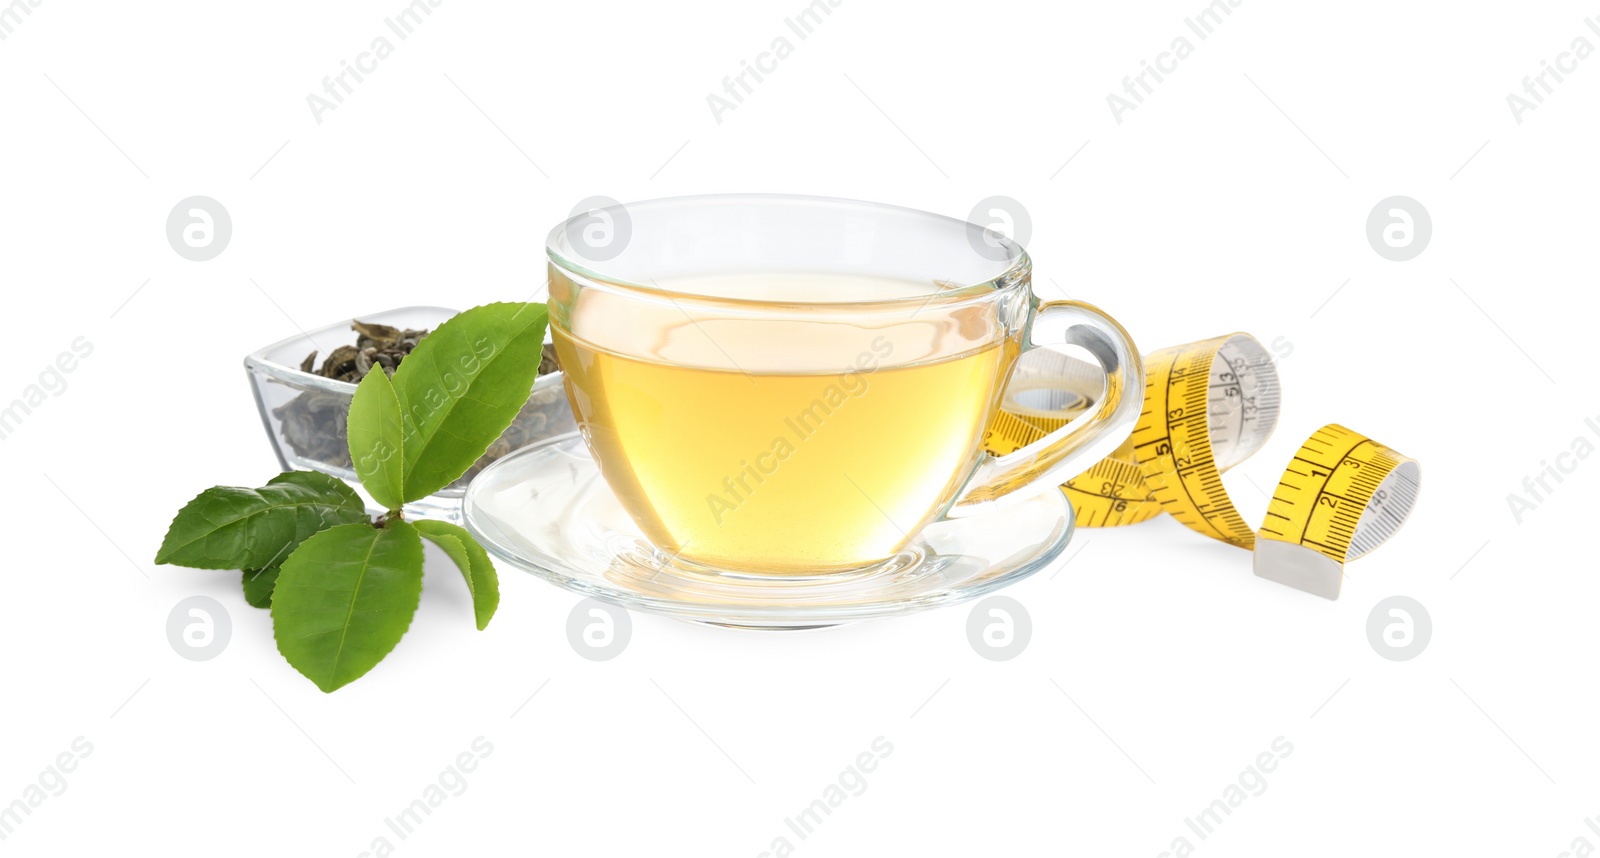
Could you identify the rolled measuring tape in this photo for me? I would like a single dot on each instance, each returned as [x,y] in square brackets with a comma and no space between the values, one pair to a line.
[1208,406]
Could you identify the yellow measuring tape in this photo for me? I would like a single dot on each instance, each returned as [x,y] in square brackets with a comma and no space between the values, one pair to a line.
[1208,406]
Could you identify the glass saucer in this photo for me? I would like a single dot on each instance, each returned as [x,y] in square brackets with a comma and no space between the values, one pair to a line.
[545,509]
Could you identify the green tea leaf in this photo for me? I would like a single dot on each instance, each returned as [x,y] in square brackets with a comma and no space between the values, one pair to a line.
[258,585]
[258,582]
[321,482]
[461,387]
[473,562]
[377,439]
[344,598]
[227,527]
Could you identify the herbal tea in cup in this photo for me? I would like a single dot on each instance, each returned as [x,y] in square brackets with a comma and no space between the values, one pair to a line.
[797,386]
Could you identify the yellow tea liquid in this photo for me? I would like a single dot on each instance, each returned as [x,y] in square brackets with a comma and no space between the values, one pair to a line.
[729,461]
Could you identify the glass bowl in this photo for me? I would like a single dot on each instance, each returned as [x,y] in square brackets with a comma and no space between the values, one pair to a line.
[304,414]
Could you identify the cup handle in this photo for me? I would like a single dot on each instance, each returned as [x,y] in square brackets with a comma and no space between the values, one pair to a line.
[1057,457]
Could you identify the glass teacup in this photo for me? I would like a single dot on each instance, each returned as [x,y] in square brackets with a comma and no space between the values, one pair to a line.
[790,385]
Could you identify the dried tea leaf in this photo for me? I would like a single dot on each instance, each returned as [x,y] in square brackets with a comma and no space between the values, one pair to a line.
[548,362]
[340,364]
[385,334]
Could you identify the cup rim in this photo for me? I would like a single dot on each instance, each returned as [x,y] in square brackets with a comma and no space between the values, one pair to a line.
[1018,262]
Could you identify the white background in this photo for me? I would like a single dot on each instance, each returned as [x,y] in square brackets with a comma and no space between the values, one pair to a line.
[1159,666]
